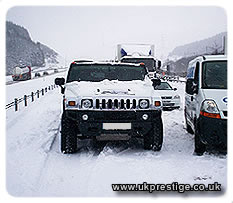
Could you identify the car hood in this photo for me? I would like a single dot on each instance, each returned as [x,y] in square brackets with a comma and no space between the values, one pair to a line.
[110,88]
[164,93]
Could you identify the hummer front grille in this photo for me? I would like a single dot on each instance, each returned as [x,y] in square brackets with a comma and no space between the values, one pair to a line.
[115,104]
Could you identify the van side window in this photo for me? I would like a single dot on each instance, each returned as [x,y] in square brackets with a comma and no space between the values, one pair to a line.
[196,74]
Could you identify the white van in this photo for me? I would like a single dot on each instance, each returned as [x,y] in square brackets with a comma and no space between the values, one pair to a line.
[206,102]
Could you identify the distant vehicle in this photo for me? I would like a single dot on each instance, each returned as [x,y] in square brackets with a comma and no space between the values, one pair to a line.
[206,102]
[45,73]
[181,79]
[22,73]
[151,63]
[176,78]
[55,70]
[170,99]
[37,74]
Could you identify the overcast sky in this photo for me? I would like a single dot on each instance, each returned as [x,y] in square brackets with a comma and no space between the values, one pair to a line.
[94,32]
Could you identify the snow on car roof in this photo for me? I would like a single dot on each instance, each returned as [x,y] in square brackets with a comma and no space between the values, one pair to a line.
[105,63]
[208,58]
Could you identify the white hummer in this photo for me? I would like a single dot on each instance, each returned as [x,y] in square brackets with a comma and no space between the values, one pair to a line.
[206,102]
[109,99]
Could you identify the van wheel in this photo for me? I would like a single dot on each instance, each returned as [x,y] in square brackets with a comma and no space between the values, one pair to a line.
[200,148]
[154,139]
[68,135]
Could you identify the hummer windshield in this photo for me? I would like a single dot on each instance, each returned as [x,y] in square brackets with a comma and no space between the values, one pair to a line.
[99,72]
[214,75]
[149,62]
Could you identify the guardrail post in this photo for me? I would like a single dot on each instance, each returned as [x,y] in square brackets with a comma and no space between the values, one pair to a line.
[25,100]
[49,87]
[32,95]
[38,93]
[42,91]
[45,89]
[52,87]
[16,104]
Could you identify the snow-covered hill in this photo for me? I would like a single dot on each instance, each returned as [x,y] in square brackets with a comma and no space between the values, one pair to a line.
[21,50]
[35,166]
[205,46]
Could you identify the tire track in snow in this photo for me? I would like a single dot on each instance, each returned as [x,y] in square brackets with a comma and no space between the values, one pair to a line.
[55,155]
[47,148]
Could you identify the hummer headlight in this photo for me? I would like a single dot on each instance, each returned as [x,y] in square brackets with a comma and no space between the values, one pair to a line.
[86,103]
[143,104]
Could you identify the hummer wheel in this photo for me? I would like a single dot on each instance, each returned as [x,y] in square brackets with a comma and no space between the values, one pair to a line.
[68,135]
[154,139]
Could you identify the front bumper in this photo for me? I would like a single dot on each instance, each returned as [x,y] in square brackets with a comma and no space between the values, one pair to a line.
[213,131]
[93,126]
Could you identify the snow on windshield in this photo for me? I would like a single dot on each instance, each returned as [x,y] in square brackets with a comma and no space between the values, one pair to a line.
[97,73]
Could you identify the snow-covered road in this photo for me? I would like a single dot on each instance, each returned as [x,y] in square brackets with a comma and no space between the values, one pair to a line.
[35,166]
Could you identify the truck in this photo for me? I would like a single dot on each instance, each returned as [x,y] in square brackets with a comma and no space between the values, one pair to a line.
[22,73]
[206,102]
[109,101]
[139,53]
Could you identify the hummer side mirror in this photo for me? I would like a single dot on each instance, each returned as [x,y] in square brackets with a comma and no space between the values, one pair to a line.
[60,82]
[174,88]
[156,82]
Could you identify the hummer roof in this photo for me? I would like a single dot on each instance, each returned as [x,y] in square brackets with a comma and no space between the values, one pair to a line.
[106,63]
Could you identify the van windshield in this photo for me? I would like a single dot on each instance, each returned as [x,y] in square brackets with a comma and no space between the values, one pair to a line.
[99,72]
[214,75]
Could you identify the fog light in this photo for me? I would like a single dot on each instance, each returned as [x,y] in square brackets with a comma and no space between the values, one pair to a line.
[144,116]
[85,117]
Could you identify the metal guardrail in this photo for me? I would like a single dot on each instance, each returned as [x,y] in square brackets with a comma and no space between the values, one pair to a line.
[33,95]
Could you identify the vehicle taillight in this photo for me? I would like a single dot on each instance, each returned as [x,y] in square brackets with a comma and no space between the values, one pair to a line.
[209,109]
[210,115]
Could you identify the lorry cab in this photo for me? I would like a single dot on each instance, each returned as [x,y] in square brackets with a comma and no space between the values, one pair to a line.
[139,53]
[206,102]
